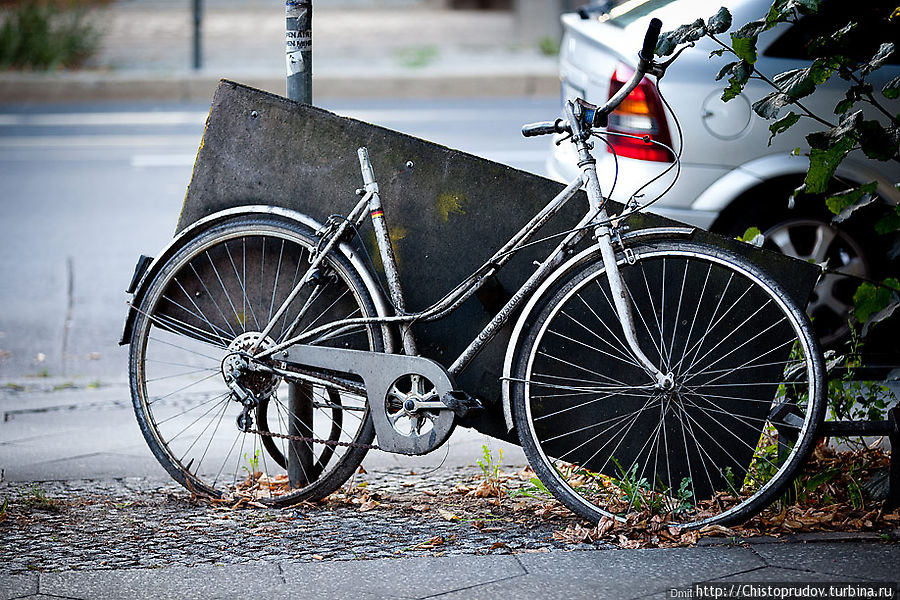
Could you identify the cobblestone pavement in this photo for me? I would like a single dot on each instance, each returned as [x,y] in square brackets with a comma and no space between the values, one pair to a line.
[137,523]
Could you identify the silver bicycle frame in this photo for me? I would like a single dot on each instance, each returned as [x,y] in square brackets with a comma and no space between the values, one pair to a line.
[596,218]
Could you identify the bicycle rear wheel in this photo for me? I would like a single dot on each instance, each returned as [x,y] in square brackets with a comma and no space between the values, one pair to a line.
[208,304]
[717,448]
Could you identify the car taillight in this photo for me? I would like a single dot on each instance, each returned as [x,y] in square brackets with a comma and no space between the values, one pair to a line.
[640,114]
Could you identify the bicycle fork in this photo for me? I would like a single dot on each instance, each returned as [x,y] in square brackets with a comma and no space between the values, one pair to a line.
[603,234]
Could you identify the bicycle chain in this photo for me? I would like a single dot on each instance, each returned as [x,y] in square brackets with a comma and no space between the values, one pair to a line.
[300,438]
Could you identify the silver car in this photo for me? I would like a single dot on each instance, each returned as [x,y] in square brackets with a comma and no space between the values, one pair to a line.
[731,177]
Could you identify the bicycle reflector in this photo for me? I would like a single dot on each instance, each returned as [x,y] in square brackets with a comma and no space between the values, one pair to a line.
[640,114]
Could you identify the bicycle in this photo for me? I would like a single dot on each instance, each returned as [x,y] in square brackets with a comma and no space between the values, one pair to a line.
[647,373]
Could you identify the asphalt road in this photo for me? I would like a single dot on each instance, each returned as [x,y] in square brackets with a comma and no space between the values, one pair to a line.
[84,190]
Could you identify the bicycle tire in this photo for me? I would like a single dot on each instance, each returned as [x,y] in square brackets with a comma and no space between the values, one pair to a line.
[724,443]
[212,296]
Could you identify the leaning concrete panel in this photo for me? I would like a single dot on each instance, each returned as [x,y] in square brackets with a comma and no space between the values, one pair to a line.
[448,211]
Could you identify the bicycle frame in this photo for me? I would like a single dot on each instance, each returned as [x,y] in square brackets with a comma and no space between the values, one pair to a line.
[595,218]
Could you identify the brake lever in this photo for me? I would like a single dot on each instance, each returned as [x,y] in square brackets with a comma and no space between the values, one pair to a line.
[659,69]
[566,138]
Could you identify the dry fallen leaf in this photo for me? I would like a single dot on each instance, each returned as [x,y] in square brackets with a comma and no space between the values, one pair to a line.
[368,505]
[447,515]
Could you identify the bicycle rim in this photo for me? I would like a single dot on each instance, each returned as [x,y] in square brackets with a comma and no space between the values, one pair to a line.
[210,301]
[718,447]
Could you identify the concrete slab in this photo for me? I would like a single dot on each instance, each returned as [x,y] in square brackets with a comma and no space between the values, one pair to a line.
[786,574]
[399,578]
[616,573]
[872,562]
[17,586]
[188,583]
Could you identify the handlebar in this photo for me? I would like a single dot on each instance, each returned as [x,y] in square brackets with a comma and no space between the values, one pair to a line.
[543,128]
[600,117]
[650,39]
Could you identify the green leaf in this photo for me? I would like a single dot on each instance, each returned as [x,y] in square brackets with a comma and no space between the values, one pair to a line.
[782,125]
[889,223]
[874,303]
[740,75]
[686,34]
[726,70]
[768,106]
[752,236]
[822,69]
[719,52]
[846,128]
[751,29]
[843,106]
[845,203]
[783,10]
[884,53]
[666,44]
[719,22]
[796,83]
[823,162]
[877,141]
[744,47]
[891,89]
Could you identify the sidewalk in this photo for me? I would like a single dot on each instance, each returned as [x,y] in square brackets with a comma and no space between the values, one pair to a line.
[391,51]
[113,525]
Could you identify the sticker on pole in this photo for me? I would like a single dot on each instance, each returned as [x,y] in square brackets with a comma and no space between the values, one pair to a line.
[296,43]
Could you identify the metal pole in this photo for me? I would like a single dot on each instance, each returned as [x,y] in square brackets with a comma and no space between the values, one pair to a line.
[298,44]
[298,47]
[198,22]
[300,423]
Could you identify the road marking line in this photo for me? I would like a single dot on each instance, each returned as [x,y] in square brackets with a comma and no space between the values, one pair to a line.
[142,161]
[100,119]
[117,141]
[96,119]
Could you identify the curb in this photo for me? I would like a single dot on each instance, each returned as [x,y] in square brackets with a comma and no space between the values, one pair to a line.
[95,87]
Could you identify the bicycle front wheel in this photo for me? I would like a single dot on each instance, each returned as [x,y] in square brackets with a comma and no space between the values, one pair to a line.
[723,442]
[209,305]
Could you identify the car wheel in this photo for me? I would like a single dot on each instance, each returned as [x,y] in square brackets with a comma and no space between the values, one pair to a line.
[850,250]
[817,241]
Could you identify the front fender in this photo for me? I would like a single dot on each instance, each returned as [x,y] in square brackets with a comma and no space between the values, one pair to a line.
[187,234]
[512,350]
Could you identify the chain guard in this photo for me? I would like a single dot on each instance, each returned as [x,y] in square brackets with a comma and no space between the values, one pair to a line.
[379,372]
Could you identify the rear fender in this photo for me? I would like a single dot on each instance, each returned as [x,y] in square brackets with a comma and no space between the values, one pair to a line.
[144,274]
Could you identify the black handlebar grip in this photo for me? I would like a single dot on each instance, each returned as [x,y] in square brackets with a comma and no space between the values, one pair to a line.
[650,39]
[541,128]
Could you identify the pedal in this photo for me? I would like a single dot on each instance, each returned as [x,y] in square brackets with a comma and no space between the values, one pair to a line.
[465,407]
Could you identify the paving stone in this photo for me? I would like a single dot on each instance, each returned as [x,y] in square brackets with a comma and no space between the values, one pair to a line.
[873,562]
[16,586]
[405,579]
[98,525]
[185,583]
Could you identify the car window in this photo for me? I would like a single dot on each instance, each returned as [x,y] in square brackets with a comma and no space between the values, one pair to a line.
[832,16]
[623,13]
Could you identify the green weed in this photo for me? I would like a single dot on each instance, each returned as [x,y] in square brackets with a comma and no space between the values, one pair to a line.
[549,46]
[37,499]
[417,57]
[534,489]
[489,469]
[252,466]
[40,36]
